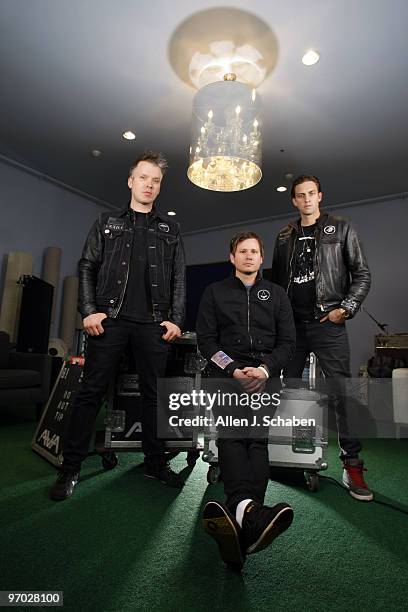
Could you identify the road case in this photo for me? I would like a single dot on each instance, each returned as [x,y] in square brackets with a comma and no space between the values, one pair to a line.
[299,446]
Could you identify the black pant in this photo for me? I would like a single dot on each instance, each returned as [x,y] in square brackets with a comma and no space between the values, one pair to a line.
[244,466]
[243,460]
[103,355]
[329,342]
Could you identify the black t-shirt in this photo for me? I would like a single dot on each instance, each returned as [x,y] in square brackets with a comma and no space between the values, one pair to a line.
[303,287]
[137,303]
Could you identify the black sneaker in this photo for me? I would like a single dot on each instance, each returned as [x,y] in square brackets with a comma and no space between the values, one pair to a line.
[165,474]
[64,485]
[219,523]
[262,524]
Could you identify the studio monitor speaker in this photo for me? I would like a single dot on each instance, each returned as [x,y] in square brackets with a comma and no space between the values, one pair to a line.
[35,315]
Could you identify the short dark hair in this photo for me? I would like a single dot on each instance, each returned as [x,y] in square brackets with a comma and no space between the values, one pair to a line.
[303,179]
[154,158]
[241,236]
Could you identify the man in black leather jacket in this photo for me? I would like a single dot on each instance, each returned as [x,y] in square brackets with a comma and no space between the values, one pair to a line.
[246,332]
[131,289]
[319,260]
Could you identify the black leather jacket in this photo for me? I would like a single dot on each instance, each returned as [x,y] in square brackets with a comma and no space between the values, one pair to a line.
[251,328]
[342,275]
[104,266]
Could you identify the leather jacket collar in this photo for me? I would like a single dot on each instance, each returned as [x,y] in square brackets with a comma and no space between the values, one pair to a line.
[152,214]
[295,223]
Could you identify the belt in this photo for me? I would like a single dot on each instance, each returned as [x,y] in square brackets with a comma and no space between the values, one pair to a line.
[306,320]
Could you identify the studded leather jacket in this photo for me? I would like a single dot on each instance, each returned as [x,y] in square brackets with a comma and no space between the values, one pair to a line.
[104,266]
[342,276]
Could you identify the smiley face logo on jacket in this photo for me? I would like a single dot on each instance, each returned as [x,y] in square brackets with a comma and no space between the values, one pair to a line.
[263,294]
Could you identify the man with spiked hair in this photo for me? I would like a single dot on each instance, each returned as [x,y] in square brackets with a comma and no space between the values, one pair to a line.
[131,290]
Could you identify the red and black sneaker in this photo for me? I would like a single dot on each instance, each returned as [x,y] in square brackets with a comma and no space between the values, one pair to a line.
[353,479]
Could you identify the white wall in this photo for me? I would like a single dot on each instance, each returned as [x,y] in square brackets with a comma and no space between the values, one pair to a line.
[383,229]
[36,214]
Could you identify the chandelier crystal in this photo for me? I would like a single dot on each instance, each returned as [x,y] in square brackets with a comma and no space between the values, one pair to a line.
[225,151]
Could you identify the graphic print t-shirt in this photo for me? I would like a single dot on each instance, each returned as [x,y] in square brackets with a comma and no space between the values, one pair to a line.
[303,287]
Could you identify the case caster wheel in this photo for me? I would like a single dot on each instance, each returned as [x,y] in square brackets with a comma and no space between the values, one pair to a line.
[312,481]
[171,454]
[109,460]
[192,457]
[213,474]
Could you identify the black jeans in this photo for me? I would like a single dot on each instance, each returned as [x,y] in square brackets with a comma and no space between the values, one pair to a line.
[102,357]
[243,460]
[329,342]
[244,465]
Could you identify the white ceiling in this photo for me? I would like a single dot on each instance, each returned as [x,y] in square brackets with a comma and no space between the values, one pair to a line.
[75,74]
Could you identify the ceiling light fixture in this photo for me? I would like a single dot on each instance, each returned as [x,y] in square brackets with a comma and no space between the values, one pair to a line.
[282,188]
[129,135]
[225,152]
[245,61]
[310,57]
[212,42]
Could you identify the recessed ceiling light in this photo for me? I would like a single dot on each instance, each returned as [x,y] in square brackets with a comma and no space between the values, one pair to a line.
[129,135]
[310,57]
[171,213]
[96,153]
[289,176]
[282,188]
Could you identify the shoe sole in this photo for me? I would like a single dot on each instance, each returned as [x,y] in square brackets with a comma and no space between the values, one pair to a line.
[278,525]
[57,499]
[220,526]
[366,498]
[173,486]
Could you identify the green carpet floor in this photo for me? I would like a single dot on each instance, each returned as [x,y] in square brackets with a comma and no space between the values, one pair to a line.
[123,542]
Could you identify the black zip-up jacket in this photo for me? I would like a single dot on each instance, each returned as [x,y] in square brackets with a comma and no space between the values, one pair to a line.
[104,266]
[251,328]
[342,276]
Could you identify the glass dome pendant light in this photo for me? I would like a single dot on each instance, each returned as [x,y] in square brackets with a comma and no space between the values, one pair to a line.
[225,151]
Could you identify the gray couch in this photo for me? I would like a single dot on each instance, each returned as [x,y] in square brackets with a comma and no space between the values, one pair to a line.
[24,377]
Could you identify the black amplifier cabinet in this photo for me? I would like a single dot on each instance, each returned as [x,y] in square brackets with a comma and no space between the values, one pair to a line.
[185,359]
[35,315]
[393,345]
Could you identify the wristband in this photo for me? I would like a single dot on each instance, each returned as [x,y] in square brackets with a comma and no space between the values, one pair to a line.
[263,368]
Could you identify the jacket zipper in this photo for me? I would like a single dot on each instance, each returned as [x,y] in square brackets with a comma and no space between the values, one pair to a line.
[317,272]
[290,266]
[250,337]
